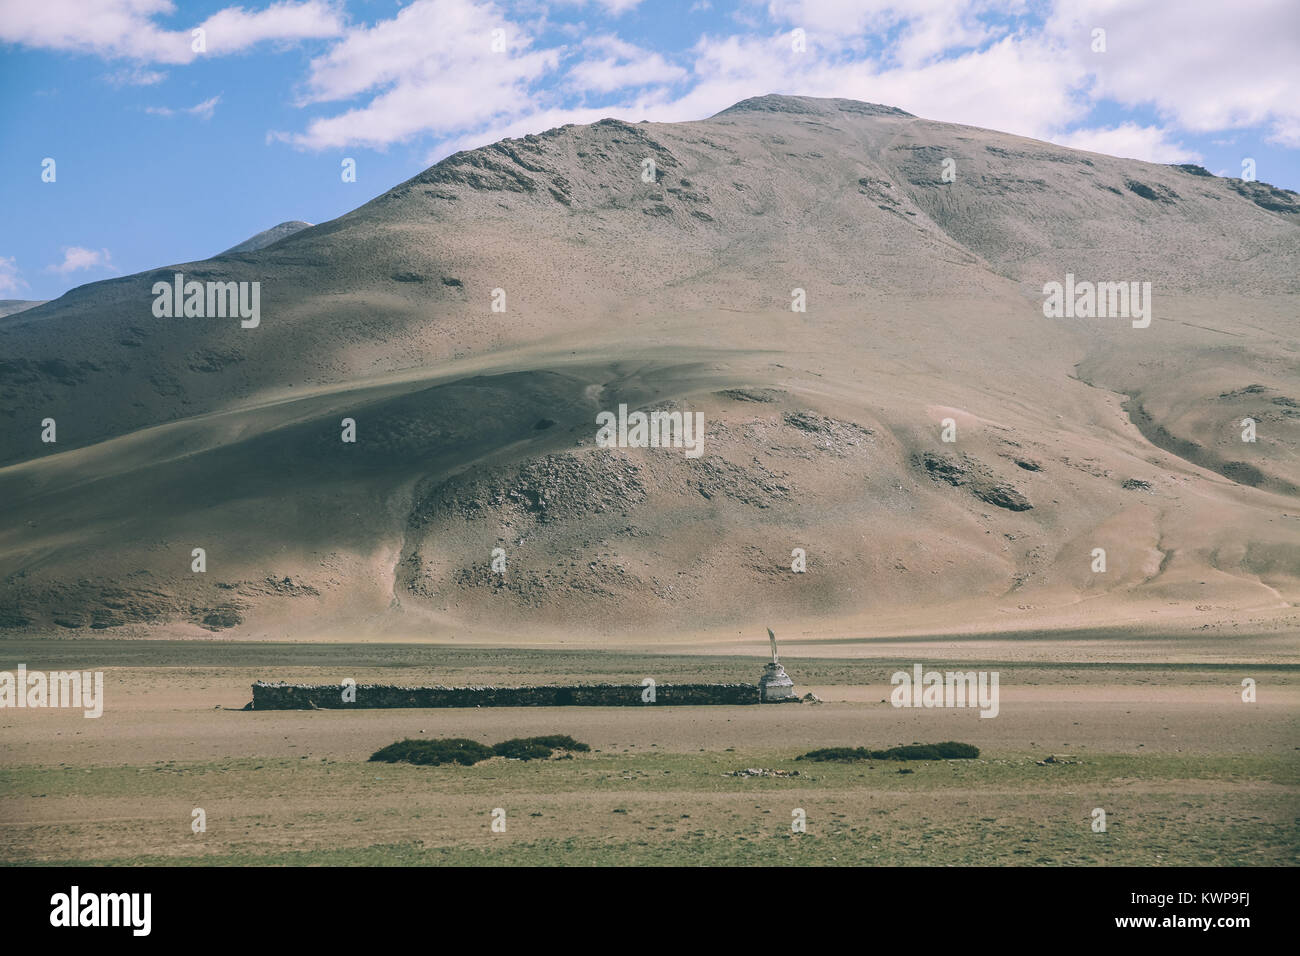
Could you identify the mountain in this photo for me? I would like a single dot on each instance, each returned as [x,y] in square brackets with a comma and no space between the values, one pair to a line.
[268,236]
[670,286]
[14,306]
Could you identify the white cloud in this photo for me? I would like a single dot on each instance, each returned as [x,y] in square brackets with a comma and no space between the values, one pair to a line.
[1130,141]
[925,28]
[129,28]
[135,76]
[430,69]
[1010,85]
[622,67]
[76,258]
[612,7]
[1205,66]
[234,29]
[1286,132]
[202,110]
[11,283]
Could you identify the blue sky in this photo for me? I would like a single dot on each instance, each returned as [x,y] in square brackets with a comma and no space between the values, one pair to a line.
[164,153]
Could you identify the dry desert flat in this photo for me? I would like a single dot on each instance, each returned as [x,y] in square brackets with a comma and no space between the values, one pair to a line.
[1186,772]
[886,403]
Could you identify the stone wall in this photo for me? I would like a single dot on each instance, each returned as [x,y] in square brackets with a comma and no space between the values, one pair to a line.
[267,696]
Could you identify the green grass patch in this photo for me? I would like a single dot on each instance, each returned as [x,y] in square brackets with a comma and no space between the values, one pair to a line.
[434,752]
[948,750]
[537,748]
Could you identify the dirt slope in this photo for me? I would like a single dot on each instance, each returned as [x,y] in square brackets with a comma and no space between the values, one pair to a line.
[476,428]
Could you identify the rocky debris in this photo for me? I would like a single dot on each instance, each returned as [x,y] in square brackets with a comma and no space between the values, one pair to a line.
[480,170]
[811,698]
[284,586]
[687,195]
[18,375]
[1004,496]
[1156,193]
[221,618]
[763,395]
[876,189]
[212,360]
[1266,196]
[1248,390]
[830,434]
[100,605]
[1243,472]
[966,472]
[565,486]
[1057,759]
[761,772]
[1088,466]
[1135,484]
[757,486]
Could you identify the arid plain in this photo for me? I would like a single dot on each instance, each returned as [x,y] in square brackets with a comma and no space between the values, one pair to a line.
[825,432]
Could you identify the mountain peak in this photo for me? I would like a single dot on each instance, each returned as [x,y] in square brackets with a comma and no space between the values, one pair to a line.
[268,236]
[812,105]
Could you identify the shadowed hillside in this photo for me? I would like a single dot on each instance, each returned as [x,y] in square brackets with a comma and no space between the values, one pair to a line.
[475,428]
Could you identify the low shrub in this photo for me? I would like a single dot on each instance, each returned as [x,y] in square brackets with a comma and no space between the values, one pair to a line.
[467,752]
[560,742]
[522,749]
[537,748]
[948,750]
[837,754]
[434,752]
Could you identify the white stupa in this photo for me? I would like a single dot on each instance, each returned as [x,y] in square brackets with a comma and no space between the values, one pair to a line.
[775,685]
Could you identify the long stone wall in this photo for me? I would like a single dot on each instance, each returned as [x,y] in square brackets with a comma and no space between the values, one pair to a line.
[268,696]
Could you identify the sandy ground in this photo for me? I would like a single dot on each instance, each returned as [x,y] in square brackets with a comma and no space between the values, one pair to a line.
[1185,769]
[326,559]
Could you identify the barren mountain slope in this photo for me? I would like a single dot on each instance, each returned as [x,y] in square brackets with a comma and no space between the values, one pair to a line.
[475,427]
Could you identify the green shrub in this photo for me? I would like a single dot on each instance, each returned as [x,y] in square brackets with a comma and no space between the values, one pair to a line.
[434,752]
[522,749]
[537,748]
[560,742]
[948,750]
[468,752]
[837,754]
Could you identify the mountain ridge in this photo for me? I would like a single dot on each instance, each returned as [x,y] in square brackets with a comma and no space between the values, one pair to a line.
[923,305]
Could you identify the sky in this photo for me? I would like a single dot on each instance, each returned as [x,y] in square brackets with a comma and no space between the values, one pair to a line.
[178,129]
